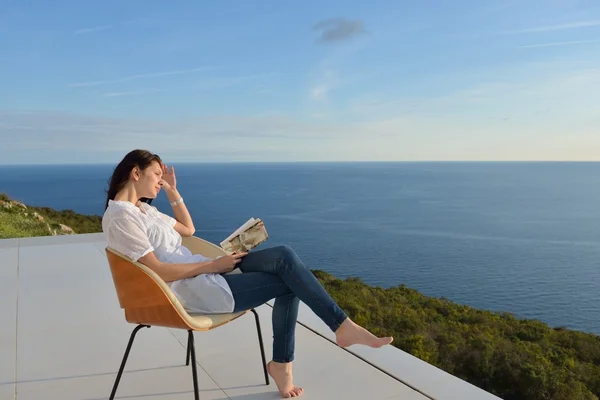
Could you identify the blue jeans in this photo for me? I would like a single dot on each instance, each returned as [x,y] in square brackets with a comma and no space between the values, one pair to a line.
[278,273]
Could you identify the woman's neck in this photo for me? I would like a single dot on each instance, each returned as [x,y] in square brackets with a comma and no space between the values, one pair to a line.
[128,194]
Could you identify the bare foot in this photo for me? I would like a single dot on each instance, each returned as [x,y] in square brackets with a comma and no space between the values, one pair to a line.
[350,333]
[282,375]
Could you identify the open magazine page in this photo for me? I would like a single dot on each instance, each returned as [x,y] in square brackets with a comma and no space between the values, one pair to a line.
[251,234]
[239,230]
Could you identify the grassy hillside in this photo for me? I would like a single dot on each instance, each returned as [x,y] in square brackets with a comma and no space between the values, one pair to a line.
[19,220]
[14,225]
[512,358]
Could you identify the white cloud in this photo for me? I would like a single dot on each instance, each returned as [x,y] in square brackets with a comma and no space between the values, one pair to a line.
[556,27]
[132,93]
[283,138]
[553,44]
[95,29]
[319,93]
[142,76]
[537,112]
[326,80]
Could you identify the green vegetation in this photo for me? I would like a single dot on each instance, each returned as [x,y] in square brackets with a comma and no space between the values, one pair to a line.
[509,357]
[14,225]
[19,220]
[512,358]
[80,223]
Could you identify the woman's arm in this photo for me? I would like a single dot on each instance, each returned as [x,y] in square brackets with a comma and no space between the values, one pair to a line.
[171,272]
[184,225]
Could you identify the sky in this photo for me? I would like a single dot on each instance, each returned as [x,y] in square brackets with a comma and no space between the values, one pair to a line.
[249,80]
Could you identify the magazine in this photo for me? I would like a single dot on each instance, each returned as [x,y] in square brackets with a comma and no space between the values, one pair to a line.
[249,235]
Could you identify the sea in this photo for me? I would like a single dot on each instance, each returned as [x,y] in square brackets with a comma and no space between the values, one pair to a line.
[517,237]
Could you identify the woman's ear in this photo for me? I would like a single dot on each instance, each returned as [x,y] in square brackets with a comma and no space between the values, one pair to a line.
[135,173]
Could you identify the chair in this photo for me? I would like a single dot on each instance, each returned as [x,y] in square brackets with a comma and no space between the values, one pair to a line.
[148,301]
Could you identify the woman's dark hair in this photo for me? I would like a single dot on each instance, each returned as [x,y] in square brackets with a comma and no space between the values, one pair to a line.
[135,158]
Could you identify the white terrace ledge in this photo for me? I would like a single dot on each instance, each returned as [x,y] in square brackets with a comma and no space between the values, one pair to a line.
[63,336]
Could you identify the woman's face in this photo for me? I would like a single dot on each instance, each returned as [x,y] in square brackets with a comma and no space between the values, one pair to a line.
[150,181]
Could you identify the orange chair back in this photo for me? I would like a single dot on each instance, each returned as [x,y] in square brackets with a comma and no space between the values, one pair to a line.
[141,296]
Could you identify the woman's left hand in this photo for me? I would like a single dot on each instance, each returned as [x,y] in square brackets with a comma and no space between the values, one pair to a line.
[169,181]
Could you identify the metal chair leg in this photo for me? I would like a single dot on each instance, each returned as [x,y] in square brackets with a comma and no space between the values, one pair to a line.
[192,351]
[187,357]
[118,379]
[262,348]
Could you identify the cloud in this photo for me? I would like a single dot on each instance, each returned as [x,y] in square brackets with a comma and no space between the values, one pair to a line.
[136,21]
[319,93]
[327,79]
[531,46]
[133,93]
[93,29]
[558,27]
[226,138]
[141,76]
[54,137]
[494,119]
[216,82]
[338,30]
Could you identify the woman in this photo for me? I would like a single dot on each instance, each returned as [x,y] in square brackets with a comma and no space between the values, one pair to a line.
[153,238]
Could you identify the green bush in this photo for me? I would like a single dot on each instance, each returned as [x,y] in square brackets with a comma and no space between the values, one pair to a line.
[14,222]
[13,225]
[511,358]
[80,223]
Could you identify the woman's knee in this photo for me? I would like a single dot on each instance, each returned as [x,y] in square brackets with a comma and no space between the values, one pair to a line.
[287,250]
[286,253]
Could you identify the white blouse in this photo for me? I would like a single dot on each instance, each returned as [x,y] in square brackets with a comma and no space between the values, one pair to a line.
[136,231]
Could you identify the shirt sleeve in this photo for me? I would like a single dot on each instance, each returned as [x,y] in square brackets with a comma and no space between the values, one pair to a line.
[128,236]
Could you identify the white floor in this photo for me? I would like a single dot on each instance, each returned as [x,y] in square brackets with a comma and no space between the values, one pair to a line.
[63,336]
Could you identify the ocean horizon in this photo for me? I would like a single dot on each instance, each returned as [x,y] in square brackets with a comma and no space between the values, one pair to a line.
[321,162]
[508,236]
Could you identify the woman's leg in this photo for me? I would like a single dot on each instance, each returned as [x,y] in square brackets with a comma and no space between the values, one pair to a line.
[283,262]
[278,272]
[253,289]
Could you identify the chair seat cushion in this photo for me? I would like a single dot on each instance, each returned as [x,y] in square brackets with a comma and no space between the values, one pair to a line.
[206,321]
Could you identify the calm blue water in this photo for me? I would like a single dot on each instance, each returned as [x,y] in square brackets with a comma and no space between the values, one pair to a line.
[517,237]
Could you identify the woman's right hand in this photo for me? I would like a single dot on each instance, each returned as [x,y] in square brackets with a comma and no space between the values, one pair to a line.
[227,263]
